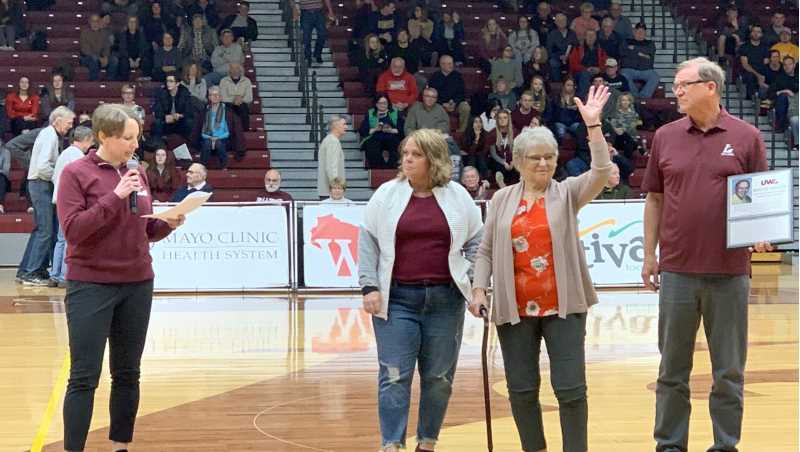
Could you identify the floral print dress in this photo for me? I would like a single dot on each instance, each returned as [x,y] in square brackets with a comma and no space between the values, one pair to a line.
[534,275]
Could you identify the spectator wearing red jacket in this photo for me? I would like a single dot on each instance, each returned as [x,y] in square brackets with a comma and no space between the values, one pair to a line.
[398,84]
[22,107]
[586,61]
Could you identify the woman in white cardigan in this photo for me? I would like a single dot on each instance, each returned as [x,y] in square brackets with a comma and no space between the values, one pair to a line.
[416,250]
[542,287]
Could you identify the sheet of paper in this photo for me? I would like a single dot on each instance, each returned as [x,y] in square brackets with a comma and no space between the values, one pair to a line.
[189,203]
[182,152]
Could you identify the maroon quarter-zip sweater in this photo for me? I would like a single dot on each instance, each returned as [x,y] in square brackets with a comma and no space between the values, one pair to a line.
[106,243]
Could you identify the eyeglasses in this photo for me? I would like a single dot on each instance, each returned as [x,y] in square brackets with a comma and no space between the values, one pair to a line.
[683,85]
[128,92]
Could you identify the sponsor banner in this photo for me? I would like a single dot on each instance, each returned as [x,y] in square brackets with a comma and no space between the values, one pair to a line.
[225,247]
[330,244]
[612,235]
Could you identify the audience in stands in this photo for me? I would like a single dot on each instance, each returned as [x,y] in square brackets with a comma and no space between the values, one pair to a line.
[167,59]
[451,91]
[776,26]
[733,32]
[402,48]
[502,93]
[622,25]
[374,60]
[587,60]
[489,117]
[523,40]
[155,22]
[129,100]
[471,180]
[538,65]
[218,131]
[543,22]
[193,81]
[448,36]
[12,23]
[565,115]
[36,259]
[330,159]
[5,176]
[428,114]
[82,140]
[420,35]
[621,125]
[508,68]
[773,70]
[162,175]
[224,54]
[272,184]
[337,189]
[54,95]
[172,109]
[581,24]
[560,41]
[196,177]
[522,115]
[382,130]
[615,82]
[541,101]
[753,59]
[608,39]
[207,9]
[399,85]
[22,107]
[638,58]
[501,142]
[244,27]
[491,44]
[200,43]
[783,91]
[475,148]
[386,22]
[785,46]
[423,47]
[127,7]
[363,11]
[95,44]
[614,189]
[312,18]
[134,52]
[237,93]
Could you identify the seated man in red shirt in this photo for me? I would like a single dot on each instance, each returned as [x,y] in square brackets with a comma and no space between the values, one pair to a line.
[398,84]
[272,184]
[522,115]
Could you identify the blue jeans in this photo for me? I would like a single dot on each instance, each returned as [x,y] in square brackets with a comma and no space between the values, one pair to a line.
[309,21]
[40,243]
[93,64]
[576,167]
[562,129]
[59,271]
[521,345]
[720,302]
[424,327]
[649,77]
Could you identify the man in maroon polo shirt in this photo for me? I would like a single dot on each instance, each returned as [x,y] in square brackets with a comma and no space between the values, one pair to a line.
[685,214]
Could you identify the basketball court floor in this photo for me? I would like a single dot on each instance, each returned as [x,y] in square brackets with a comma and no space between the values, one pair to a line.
[270,373]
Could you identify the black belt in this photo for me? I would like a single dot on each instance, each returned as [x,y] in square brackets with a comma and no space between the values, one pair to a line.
[423,283]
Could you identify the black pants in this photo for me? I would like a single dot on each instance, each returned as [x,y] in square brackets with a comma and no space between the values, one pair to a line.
[20,124]
[243,112]
[5,186]
[118,313]
[376,144]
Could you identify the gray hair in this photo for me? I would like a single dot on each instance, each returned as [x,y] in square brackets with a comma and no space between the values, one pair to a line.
[708,71]
[81,134]
[215,89]
[60,112]
[469,168]
[334,119]
[530,138]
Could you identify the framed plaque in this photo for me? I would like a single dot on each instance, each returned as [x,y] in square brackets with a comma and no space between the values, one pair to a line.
[760,208]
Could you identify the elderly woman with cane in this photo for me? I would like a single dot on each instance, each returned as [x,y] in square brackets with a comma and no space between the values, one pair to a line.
[542,288]
[416,248]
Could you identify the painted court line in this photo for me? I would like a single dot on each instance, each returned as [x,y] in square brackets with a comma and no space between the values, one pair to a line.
[55,396]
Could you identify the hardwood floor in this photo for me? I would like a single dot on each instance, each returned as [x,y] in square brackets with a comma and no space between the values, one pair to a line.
[268,374]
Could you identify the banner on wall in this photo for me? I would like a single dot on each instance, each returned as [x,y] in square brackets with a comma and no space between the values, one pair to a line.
[330,244]
[225,247]
[612,235]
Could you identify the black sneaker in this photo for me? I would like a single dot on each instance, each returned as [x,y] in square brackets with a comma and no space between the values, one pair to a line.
[52,282]
[35,280]
[319,60]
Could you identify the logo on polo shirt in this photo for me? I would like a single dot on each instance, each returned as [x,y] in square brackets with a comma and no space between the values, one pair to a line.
[727,151]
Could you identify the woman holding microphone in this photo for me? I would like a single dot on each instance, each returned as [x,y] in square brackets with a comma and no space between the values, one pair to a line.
[109,274]
[416,249]
[542,288]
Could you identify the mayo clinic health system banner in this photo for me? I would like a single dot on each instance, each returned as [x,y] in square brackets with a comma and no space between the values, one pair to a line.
[612,235]
[225,247]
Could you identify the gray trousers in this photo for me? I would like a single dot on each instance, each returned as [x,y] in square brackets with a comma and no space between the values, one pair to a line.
[721,302]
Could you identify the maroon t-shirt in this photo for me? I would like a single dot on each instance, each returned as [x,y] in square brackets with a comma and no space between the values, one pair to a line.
[691,168]
[422,243]
[521,120]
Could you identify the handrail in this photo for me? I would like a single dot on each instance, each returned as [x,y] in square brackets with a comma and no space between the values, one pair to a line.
[314,111]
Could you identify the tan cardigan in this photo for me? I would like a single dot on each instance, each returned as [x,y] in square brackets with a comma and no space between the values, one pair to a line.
[562,202]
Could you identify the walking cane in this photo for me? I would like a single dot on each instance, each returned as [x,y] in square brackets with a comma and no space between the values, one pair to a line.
[487,405]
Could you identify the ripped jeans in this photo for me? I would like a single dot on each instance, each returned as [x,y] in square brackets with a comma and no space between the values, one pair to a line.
[424,328]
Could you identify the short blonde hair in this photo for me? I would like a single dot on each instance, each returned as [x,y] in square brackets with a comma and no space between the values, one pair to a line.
[433,144]
[110,119]
[338,182]
[530,138]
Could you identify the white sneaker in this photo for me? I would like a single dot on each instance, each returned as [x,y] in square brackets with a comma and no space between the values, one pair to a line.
[500,179]
[30,209]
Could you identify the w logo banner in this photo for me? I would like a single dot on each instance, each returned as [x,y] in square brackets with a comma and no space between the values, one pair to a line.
[330,244]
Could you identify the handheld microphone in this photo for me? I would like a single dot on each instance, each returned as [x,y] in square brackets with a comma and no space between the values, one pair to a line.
[133,164]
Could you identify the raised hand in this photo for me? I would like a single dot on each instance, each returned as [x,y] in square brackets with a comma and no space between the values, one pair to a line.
[595,101]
